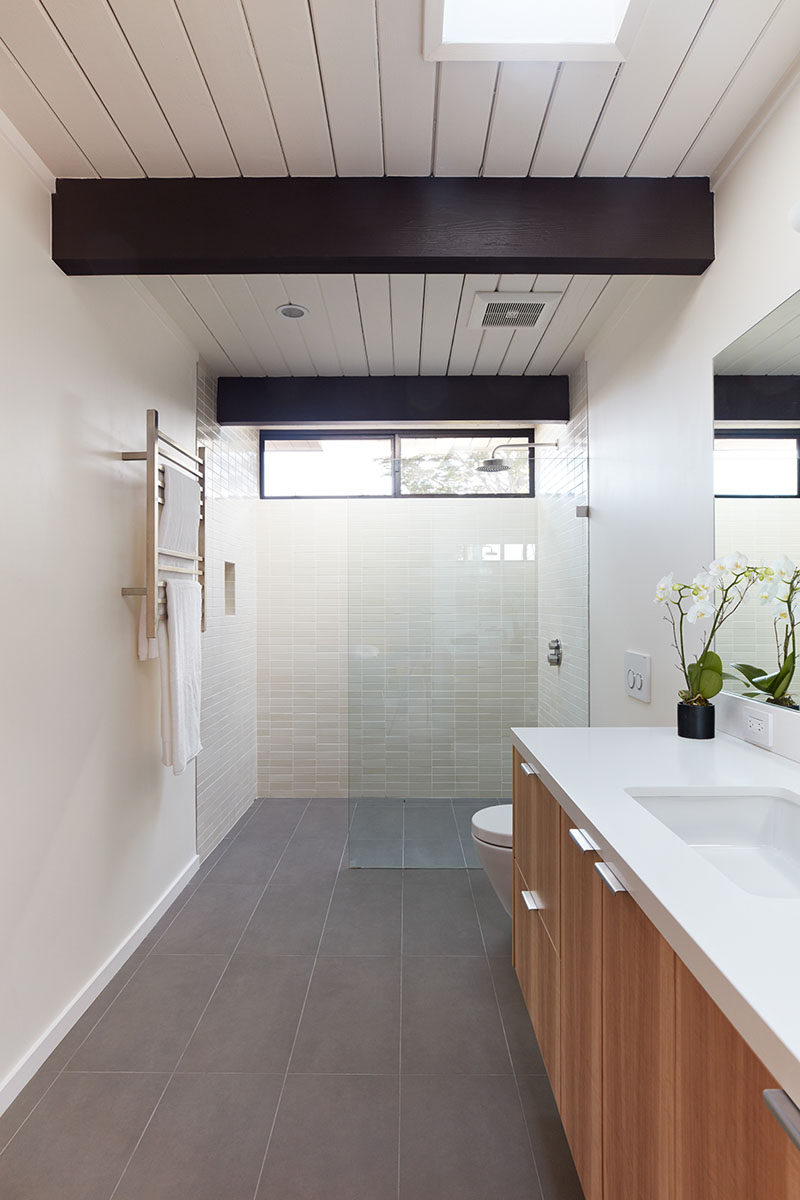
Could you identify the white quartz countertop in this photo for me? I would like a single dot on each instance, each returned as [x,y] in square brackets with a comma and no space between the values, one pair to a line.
[743,948]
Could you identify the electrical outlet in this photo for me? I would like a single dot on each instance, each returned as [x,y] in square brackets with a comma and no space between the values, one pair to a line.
[758,728]
[637,676]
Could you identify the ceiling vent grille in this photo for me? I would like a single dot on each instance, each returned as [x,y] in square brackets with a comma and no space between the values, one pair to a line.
[512,310]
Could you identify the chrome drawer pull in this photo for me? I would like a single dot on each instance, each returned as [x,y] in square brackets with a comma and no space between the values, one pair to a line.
[527,769]
[609,878]
[785,1112]
[584,840]
[530,901]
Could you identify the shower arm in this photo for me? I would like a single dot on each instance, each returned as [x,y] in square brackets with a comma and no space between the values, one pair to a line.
[531,447]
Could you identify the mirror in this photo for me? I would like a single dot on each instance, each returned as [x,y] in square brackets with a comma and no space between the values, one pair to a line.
[757,491]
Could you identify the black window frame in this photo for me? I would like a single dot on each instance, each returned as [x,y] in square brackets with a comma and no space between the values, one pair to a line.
[395,436]
[766,435]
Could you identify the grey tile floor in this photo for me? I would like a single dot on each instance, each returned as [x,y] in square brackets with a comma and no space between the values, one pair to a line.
[413,833]
[296,1031]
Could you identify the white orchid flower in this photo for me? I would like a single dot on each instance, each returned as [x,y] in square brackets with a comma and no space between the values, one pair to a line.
[717,568]
[701,611]
[736,562]
[767,592]
[783,567]
[666,590]
[703,584]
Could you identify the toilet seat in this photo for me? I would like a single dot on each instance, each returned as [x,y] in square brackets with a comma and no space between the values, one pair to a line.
[494,825]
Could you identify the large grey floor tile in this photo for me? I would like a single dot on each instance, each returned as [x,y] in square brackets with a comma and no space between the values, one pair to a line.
[335,1139]
[456,880]
[431,820]
[252,1018]
[451,1022]
[85,1024]
[290,916]
[442,850]
[493,919]
[206,1140]
[375,852]
[21,1108]
[522,1044]
[363,920]
[314,851]
[551,1151]
[213,919]
[150,1023]
[377,819]
[324,818]
[464,1139]
[441,919]
[77,1142]
[247,862]
[351,1022]
[274,823]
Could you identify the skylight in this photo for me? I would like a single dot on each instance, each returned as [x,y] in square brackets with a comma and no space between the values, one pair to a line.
[518,29]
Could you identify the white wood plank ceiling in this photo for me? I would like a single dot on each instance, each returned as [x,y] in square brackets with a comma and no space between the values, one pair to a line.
[772,347]
[380,324]
[174,88]
[126,88]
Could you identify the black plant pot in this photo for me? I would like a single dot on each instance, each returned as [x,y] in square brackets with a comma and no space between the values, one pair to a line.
[695,720]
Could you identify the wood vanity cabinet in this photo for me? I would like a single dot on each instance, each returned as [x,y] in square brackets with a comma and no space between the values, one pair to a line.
[536,876]
[581,1082]
[659,1096]
[728,1144]
[638,1002]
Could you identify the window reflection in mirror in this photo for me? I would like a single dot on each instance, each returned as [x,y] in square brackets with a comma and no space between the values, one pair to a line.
[757,476]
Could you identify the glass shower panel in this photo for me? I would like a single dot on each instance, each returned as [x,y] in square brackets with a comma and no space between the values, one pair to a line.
[442,636]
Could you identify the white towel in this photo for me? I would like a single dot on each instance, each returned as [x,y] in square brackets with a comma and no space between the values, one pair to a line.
[182,638]
[180,513]
[166,707]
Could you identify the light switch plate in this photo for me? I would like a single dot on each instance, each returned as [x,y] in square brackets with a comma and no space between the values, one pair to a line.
[637,676]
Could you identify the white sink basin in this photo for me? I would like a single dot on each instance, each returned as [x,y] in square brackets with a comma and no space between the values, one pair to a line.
[751,835]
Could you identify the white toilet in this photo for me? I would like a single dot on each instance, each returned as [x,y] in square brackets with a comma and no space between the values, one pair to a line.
[491,833]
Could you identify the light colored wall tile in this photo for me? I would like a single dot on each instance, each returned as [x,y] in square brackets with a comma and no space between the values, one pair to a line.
[227,765]
[391,652]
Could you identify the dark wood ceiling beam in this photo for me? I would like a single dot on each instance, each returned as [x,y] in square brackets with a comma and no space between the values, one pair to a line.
[392,399]
[207,226]
[757,398]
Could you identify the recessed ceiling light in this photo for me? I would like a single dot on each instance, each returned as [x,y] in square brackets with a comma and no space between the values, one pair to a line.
[294,311]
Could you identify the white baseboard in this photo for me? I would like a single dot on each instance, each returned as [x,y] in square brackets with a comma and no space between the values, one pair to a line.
[29,1064]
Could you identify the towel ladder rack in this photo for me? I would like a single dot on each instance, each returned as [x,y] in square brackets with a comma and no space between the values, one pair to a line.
[192,464]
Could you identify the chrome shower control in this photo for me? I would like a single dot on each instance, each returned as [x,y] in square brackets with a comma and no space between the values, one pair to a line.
[554,652]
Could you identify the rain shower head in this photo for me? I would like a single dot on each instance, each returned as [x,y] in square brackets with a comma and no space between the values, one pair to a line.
[499,464]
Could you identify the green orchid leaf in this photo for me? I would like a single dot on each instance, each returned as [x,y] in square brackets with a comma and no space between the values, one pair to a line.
[711,662]
[710,683]
[749,672]
[784,677]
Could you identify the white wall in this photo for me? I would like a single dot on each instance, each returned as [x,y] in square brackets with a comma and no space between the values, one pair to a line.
[94,830]
[650,417]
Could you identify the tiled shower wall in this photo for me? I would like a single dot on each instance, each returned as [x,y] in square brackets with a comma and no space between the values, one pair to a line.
[227,765]
[302,647]
[396,639]
[442,630]
[763,529]
[561,486]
